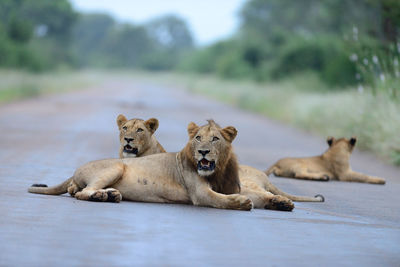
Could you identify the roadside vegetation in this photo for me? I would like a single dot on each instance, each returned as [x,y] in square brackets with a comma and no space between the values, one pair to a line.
[305,102]
[17,84]
[330,66]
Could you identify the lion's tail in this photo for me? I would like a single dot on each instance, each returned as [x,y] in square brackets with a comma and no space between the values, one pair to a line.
[275,190]
[53,190]
[270,170]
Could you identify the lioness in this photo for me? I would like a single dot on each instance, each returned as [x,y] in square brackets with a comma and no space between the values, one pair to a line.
[332,164]
[136,137]
[204,173]
[254,182]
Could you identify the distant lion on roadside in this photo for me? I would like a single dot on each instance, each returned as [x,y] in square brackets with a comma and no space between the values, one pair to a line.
[204,173]
[333,164]
[255,183]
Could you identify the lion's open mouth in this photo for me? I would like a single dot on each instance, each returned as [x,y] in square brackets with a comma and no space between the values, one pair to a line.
[205,165]
[130,150]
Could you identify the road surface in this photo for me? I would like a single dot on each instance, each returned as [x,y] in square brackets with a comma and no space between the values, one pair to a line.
[45,139]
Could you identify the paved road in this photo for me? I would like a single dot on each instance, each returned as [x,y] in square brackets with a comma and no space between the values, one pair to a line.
[45,139]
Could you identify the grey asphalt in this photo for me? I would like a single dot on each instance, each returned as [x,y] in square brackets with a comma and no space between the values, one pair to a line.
[45,139]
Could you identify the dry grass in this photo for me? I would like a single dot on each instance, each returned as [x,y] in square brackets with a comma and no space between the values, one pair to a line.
[17,85]
[307,104]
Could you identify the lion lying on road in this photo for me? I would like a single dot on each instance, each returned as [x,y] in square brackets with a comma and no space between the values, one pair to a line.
[254,182]
[204,173]
[136,137]
[333,164]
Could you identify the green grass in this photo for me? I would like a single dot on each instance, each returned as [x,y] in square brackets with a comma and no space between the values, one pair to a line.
[16,85]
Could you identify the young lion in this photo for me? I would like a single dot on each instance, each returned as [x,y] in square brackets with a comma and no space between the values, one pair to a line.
[255,183]
[136,137]
[204,173]
[333,164]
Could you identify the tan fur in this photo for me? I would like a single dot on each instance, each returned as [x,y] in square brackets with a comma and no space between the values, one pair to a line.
[138,134]
[261,188]
[164,177]
[333,164]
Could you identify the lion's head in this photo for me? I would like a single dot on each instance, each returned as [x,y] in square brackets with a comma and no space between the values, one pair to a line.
[210,153]
[135,135]
[342,144]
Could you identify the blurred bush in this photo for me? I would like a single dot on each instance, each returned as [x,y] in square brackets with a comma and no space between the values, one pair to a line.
[276,39]
[48,34]
[279,39]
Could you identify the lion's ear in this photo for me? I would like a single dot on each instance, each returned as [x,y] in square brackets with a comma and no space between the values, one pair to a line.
[330,140]
[121,119]
[353,140]
[229,133]
[192,129]
[151,124]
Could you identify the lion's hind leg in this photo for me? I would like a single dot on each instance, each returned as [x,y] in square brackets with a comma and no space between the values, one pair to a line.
[265,200]
[306,174]
[298,171]
[98,183]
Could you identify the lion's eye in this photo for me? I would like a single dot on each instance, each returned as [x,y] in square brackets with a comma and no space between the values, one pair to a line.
[215,139]
[198,138]
[139,130]
[124,128]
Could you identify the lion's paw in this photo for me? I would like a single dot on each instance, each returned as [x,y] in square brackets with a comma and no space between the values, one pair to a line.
[113,195]
[240,202]
[325,178]
[99,195]
[378,180]
[73,188]
[280,203]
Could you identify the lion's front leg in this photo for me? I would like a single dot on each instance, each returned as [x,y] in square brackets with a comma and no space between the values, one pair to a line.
[352,176]
[205,196]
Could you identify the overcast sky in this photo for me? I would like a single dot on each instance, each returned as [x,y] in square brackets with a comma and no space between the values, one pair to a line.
[209,20]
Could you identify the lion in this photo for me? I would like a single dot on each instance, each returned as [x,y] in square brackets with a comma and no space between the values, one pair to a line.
[204,173]
[136,137]
[249,177]
[333,164]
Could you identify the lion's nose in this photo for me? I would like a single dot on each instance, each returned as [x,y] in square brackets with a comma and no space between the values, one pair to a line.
[204,152]
[128,139]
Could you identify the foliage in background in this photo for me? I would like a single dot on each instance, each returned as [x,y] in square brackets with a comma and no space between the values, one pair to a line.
[297,51]
[278,39]
[16,85]
[47,34]
[298,100]
[99,41]
[23,23]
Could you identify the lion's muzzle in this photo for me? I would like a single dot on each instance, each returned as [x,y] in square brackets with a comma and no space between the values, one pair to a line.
[205,165]
[130,150]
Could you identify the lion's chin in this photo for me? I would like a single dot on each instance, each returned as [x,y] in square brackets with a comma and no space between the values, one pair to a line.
[205,173]
[128,155]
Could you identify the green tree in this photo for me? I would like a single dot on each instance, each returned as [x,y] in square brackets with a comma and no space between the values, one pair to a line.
[89,35]
[170,32]
[38,32]
[171,38]
[126,46]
